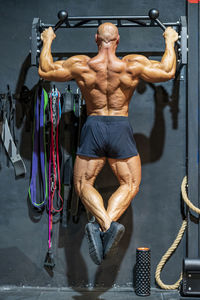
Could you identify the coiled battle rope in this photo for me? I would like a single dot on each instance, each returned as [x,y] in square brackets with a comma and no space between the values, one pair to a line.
[175,244]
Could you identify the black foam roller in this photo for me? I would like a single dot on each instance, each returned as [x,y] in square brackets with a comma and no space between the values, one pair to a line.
[143,272]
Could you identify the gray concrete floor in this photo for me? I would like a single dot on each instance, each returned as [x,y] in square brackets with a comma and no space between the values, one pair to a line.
[60,294]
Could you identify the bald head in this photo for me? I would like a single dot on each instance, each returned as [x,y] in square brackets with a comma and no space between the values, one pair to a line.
[107,32]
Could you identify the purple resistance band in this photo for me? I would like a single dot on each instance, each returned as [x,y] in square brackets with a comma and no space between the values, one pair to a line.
[39,150]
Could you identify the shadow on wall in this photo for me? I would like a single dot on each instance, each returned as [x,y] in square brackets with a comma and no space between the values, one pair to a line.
[151,148]
[71,239]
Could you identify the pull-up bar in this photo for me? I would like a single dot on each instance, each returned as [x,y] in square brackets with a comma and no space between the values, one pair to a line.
[133,21]
[67,22]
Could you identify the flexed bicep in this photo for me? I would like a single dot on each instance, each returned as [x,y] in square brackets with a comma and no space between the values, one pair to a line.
[60,71]
[154,71]
[64,70]
[149,70]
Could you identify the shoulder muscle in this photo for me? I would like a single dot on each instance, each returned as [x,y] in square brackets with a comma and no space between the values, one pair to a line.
[75,59]
[136,58]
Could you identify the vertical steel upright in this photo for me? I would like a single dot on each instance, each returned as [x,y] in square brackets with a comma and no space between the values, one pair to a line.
[193,126]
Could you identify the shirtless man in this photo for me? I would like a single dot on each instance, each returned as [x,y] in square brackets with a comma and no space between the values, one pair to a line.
[107,84]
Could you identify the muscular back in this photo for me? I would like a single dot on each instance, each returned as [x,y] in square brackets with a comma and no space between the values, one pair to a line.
[106,83]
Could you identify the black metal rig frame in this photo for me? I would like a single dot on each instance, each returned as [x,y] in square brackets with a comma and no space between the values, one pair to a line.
[189,31]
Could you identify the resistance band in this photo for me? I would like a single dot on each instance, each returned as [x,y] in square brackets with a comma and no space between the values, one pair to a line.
[39,157]
[67,148]
[54,169]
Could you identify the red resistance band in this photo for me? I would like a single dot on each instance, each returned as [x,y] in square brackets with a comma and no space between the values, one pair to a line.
[54,164]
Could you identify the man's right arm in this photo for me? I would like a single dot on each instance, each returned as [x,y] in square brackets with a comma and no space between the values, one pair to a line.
[61,70]
[155,71]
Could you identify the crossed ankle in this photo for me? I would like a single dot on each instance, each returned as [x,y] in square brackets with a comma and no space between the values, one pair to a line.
[106,226]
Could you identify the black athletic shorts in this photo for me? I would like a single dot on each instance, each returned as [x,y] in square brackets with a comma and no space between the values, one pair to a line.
[107,136]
